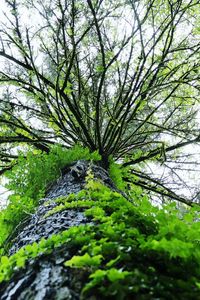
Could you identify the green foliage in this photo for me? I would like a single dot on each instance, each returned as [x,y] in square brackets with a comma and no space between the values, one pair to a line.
[129,250]
[12,215]
[138,250]
[32,174]
[18,260]
[29,179]
[84,260]
[116,173]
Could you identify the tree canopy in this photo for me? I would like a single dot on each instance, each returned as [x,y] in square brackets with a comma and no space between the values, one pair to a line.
[99,100]
[120,77]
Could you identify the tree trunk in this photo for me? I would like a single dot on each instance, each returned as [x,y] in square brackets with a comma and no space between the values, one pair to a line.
[116,250]
[45,277]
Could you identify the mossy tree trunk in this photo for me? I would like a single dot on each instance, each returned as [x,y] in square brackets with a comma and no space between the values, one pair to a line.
[45,277]
[86,241]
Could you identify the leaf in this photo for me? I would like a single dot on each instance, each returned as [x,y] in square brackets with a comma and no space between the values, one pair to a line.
[115,275]
[83,261]
[20,263]
[98,275]
[113,261]
[5,261]
[97,278]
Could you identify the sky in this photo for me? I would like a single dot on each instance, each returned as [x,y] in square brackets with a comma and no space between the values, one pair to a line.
[3,191]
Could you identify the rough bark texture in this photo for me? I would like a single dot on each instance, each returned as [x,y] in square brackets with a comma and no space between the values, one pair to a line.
[45,277]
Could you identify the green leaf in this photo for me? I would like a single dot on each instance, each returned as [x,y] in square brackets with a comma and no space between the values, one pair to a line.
[84,261]
[115,274]
[20,263]
[5,260]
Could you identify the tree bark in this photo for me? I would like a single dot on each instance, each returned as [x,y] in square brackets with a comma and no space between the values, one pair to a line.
[45,277]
